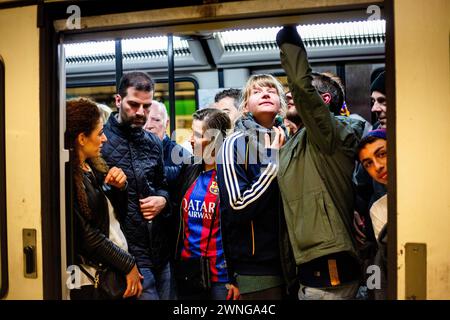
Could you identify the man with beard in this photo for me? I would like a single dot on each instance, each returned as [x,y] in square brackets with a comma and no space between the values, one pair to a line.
[324,83]
[315,179]
[140,155]
[292,121]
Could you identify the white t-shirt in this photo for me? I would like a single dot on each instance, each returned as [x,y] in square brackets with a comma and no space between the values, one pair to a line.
[378,214]
[115,235]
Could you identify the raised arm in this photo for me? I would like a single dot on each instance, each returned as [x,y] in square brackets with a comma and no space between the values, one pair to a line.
[315,114]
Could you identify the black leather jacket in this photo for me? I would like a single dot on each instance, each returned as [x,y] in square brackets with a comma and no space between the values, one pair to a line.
[91,244]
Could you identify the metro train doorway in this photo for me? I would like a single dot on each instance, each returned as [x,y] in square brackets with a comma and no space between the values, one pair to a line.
[182,30]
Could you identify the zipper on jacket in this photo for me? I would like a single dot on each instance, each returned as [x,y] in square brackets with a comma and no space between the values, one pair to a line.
[253,238]
[181,227]
[179,230]
[246,169]
[246,156]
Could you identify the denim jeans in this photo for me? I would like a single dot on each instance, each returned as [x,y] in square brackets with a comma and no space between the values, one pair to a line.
[343,292]
[158,284]
[363,293]
[218,291]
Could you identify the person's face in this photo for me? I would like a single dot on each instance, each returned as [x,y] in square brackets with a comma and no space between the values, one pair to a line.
[373,158]
[155,123]
[133,108]
[227,105]
[379,107]
[263,102]
[292,119]
[198,140]
[91,145]
[290,102]
[292,110]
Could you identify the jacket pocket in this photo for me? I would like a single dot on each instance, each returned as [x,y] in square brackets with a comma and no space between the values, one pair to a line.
[311,221]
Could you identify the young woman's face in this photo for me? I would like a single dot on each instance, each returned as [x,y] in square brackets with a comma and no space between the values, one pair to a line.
[90,146]
[198,140]
[263,101]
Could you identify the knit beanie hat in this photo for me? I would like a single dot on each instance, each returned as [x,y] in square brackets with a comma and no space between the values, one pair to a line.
[375,73]
[378,84]
[378,133]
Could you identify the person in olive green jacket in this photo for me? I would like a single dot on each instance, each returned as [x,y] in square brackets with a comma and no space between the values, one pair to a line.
[315,179]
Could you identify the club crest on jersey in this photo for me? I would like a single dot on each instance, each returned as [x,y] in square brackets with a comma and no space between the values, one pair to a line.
[214,188]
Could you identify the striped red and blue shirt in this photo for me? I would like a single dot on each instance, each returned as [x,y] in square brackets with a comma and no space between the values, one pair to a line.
[198,206]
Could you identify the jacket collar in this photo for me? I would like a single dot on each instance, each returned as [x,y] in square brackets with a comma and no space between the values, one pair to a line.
[124,130]
[248,124]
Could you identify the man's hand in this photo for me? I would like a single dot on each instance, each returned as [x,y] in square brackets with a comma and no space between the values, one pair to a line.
[152,206]
[278,141]
[116,177]
[289,34]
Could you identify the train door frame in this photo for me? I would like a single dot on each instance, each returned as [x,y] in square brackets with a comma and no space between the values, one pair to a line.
[50,157]
[4,285]
[19,46]
[392,290]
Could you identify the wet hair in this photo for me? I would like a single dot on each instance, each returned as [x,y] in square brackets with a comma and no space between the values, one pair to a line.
[232,93]
[82,116]
[263,80]
[139,80]
[213,119]
[329,83]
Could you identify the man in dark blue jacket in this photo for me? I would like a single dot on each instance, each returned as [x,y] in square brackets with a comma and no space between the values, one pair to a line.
[139,154]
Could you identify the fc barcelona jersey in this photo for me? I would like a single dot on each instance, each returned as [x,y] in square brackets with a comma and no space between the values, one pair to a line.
[198,206]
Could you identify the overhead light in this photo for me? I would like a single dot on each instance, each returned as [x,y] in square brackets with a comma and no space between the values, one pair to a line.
[132,49]
[97,50]
[314,35]
[151,44]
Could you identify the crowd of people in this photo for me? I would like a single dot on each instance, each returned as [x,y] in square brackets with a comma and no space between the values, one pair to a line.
[283,196]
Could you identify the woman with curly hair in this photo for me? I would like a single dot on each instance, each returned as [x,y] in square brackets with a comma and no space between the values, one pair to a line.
[99,241]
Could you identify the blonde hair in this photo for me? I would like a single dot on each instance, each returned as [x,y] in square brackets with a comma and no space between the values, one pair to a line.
[263,80]
[105,112]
